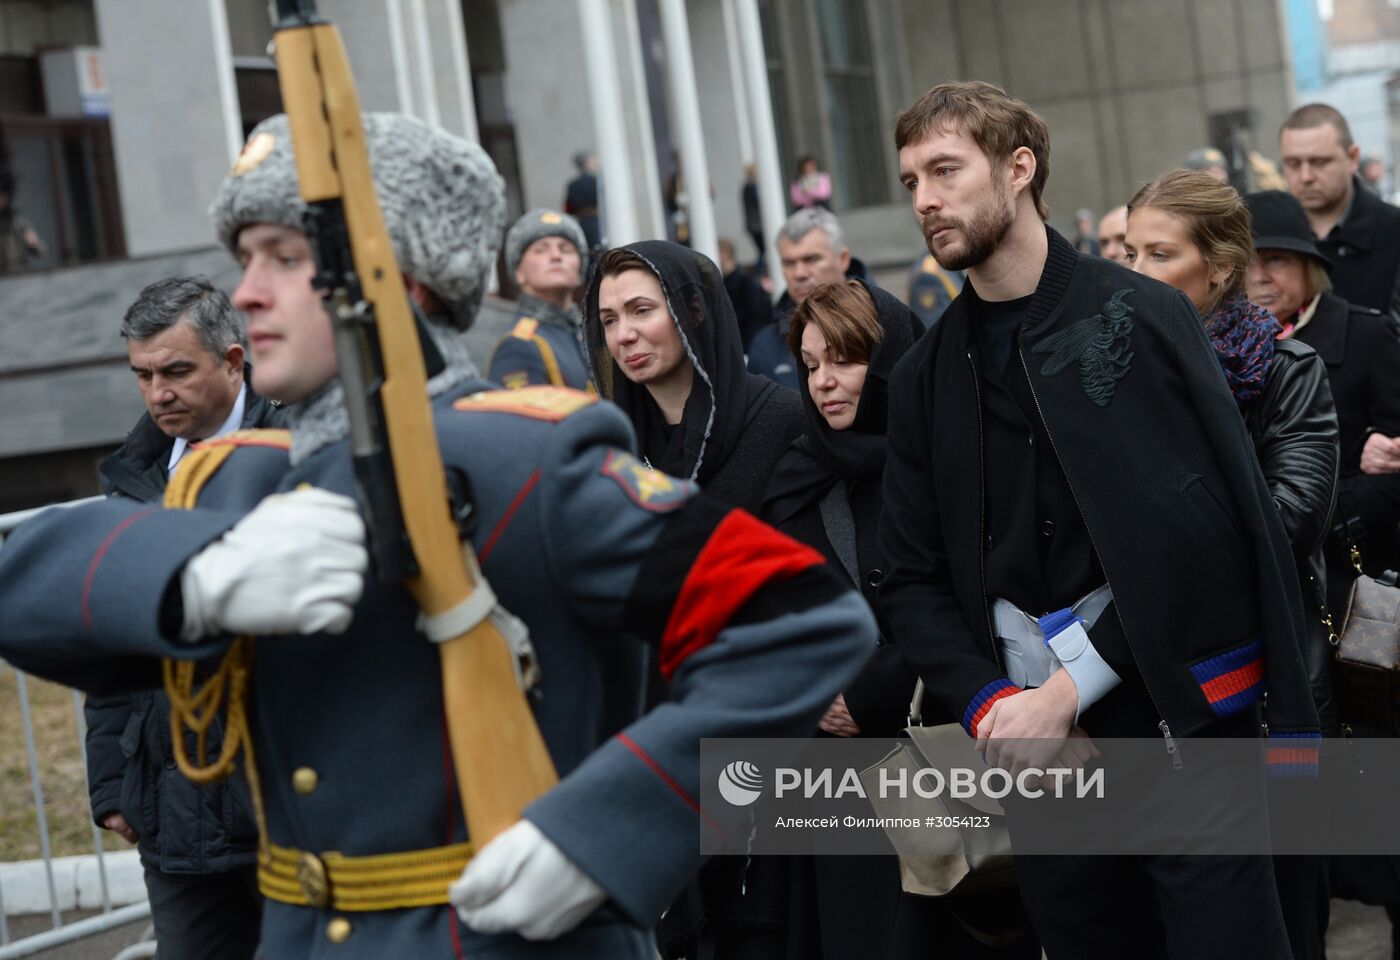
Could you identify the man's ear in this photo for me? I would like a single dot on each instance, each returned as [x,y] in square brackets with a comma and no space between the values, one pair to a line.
[845,259]
[1022,168]
[234,357]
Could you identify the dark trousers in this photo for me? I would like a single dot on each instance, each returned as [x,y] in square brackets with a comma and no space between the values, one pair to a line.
[1304,895]
[205,916]
[1174,908]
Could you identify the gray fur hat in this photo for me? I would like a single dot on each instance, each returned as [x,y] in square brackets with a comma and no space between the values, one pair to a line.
[538,224]
[443,202]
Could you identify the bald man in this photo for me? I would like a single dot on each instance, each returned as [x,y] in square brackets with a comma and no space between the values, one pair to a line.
[1112,229]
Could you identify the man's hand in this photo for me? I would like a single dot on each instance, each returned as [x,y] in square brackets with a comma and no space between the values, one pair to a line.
[1029,729]
[522,883]
[118,825]
[838,720]
[1381,454]
[295,564]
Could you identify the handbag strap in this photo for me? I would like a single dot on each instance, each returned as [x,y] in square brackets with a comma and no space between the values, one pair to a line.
[1334,639]
[1352,549]
[916,705]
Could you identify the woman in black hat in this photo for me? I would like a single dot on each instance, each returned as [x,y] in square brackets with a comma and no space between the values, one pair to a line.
[1361,348]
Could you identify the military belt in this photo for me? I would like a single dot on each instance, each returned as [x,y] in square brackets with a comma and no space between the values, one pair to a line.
[386,881]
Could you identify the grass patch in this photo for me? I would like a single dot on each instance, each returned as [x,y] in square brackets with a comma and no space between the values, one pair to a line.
[60,772]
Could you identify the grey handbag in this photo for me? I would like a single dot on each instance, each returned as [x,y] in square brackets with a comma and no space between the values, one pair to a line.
[949,860]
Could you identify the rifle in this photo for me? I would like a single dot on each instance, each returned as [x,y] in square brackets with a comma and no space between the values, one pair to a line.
[499,755]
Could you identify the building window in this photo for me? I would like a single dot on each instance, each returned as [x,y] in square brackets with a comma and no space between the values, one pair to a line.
[768,16]
[853,109]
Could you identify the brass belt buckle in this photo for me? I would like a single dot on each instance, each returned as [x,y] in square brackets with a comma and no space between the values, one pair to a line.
[315,882]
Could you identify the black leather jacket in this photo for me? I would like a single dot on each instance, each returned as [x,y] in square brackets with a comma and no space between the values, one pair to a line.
[1294,428]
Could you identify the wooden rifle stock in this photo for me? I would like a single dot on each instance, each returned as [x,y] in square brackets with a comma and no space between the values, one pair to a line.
[499,755]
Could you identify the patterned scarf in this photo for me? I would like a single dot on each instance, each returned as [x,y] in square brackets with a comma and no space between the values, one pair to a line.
[1243,335]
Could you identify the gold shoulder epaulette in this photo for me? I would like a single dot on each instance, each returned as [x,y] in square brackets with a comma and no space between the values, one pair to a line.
[538,403]
[525,328]
[281,439]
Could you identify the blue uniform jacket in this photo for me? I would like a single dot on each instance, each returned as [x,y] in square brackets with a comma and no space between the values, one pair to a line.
[541,349]
[580,540]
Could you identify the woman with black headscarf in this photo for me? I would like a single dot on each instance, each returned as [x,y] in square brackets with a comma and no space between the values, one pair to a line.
[664,345]
[847,338]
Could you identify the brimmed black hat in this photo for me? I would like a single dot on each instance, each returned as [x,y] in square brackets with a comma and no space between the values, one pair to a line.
[1279,223]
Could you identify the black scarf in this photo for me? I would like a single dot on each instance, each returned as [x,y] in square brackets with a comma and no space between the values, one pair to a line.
[822,456]
[713,420]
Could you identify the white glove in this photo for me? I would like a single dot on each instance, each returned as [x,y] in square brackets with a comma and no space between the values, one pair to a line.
[522,883]
[294,564]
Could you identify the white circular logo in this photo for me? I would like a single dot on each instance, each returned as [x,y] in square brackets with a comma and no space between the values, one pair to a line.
[740,783]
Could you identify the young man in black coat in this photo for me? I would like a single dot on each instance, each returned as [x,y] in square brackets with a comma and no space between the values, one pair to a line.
[1063,441]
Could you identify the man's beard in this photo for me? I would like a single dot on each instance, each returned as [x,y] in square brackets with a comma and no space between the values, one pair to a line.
[983,234]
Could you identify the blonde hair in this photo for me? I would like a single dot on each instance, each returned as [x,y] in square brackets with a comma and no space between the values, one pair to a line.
[1217,224]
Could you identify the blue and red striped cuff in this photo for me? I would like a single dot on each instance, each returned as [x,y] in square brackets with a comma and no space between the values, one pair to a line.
[1232,681]
[982,701]
[1293,755]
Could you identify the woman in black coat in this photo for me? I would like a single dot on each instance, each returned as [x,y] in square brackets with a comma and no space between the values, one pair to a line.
[1192,232]
[663,344]
[1361,348]
[847,338]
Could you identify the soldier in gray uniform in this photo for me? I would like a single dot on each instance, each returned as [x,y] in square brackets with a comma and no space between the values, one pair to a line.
[364,827]
[545,252]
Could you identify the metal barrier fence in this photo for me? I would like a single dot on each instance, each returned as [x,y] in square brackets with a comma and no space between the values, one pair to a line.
[109,917]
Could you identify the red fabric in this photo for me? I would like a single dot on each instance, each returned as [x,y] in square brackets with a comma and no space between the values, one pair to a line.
[1236,681]
[507,517]
[1292,755]
[739,558]
[665,778]
[96,562]
[982,711]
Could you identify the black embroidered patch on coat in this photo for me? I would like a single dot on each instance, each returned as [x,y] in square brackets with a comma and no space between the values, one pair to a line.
[1099,343]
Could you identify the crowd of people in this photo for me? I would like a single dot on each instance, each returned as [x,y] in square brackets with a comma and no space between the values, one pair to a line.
[1076,489]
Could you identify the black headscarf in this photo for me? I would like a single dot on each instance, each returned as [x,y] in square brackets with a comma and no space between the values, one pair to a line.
[715,412]
[822,456]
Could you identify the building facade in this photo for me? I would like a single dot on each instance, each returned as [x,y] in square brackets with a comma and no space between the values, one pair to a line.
[1128,87]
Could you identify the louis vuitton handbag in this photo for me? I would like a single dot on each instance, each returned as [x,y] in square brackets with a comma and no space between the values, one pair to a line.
[948,861]
[1367,668]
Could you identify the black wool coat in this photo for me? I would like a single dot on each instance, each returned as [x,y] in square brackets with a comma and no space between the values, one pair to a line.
[1361,348]
[1165,476]
[1365,252]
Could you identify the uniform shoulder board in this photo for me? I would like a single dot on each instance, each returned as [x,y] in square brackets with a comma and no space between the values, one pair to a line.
[648,488]
[280,439]
[1369,311]
[538,403]
[525,328]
